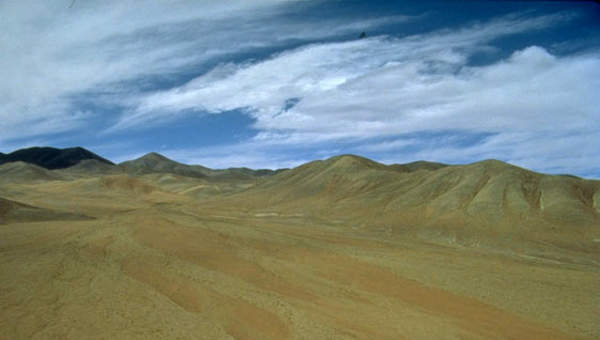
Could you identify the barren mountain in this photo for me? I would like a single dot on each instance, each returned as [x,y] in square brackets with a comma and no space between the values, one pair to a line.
[488,202]
[423,250]
[157,163]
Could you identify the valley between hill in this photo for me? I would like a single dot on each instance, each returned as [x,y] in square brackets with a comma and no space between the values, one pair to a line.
[343,248]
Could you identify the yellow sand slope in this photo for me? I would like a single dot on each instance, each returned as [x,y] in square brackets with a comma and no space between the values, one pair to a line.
[344,248]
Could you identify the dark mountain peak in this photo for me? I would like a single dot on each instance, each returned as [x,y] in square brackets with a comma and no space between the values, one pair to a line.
[52,158]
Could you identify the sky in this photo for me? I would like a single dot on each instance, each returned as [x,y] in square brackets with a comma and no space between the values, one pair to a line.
[277,83]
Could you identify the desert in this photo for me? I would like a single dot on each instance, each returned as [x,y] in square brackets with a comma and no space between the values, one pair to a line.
[299,169]
[338,248]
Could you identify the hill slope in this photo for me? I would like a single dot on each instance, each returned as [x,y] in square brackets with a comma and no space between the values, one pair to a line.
[90,167]
[51,158]
[12,211]
[484,202]
[21,172]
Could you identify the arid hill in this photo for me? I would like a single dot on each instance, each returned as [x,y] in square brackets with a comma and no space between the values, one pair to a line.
[157,163]
[485,203]
[16,172]
[90,167]
[342,248]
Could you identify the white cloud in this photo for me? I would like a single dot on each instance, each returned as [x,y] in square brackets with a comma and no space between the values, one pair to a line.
[385,86]
[348,69]
[53,54]
[252,156]
[386,146]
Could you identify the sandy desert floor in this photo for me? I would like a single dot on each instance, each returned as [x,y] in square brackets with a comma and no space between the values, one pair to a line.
[155,265]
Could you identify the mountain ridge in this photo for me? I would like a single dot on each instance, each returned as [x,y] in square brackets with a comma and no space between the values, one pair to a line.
[51,158]
[156,163]
[54,158]
[487,202]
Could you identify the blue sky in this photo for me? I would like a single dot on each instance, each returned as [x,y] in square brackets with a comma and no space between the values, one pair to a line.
[274,83]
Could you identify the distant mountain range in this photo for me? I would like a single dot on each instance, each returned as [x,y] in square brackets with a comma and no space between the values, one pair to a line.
[31,163]
[51,158]
[157,163]
[83,160]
